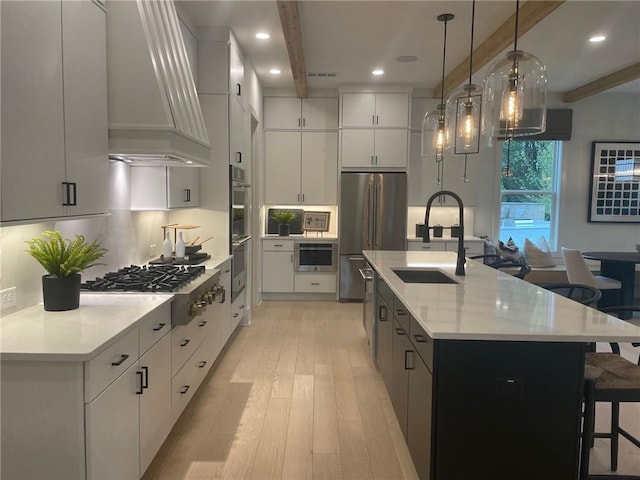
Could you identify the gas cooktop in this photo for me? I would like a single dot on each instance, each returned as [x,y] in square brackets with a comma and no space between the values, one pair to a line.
[147,278]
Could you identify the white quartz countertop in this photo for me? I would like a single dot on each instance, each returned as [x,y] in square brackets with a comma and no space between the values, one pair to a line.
[302,238]
[488,304]
[214,263]
[74,335]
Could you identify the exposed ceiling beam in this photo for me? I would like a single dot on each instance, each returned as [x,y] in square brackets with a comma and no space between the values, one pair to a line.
[531,13]
[290,21]
[604,83]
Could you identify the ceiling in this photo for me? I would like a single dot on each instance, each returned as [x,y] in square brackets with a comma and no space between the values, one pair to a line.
[351,38]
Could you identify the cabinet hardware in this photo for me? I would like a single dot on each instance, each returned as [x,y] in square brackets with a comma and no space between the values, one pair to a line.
[185,342]
[299,123]
[187,194]
[235,315]
[371,159]
[227,270]
[315,283]
[399,331]
[139,375]
[373,119]
[408,360]
[420,338]
[382,313]
[303,198]
[291,258]
[278,245]
[159,327]
[298,197]
[401,312]
[185,389]
[145,378]
[123,357]
[241,307]
[202,323]
[304,122]
[377,121]
[69,194]
[239,157]
[238,89]
[356,259]
[376,159]
[202,364]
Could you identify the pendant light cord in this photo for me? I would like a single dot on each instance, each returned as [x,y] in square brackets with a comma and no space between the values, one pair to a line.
[473,17]
[444,56]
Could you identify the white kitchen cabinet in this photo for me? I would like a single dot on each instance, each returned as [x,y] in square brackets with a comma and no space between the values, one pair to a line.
[301,167]
[383,110]
[373,149]
[238,309]
[423,175]
[288,113]
[237,135]
[220,65]
[54,110]
[162,188]
[277,266]
[225,307]
[236,73]
[315,283]
[450,245]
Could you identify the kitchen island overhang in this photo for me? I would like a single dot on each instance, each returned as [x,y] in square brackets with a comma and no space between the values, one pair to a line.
[488,377]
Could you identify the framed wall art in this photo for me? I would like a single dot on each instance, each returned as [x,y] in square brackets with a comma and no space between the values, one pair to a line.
[614,194]
[316,221]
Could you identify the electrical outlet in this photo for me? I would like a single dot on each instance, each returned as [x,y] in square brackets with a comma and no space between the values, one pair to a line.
[152,250]
[8,297]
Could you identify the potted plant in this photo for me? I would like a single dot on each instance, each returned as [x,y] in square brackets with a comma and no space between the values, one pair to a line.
[283,217]
[63,259]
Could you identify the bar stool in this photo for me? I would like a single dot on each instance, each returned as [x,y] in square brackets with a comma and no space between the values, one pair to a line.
[609,378]
[578,272]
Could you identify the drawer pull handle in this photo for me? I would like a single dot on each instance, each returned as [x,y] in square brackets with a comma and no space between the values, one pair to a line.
[140,383]
[278,245]
[159,327]
[315,283]
[202,323]
[399,331]
[202,364]
[145,378]
[401,312]
[185,342]
[235,315]
[121,361]
[382,313]
[185,389]
[420,338]
[408,360]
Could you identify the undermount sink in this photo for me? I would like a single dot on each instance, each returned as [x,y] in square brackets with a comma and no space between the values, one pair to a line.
[422,276]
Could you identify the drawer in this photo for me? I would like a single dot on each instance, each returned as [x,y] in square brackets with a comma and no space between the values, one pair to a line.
[427,247]
[401,314]
[422,342]
[277,245]
[314,283]
[238,309]
[473,248]
[100,371]
[183,386]
[185,339]
[153,327]
[225,273]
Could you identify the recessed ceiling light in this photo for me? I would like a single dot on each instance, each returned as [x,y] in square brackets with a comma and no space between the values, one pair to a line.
[263,36]
[377,71]
[597,38]
[275,71]
[406,58]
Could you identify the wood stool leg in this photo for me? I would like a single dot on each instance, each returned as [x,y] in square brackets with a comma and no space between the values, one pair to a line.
[587,429]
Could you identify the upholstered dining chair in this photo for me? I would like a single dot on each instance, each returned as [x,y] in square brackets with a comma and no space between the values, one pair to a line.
[578,272]
[609,377]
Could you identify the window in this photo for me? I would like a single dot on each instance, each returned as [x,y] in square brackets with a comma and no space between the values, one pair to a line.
[529,190]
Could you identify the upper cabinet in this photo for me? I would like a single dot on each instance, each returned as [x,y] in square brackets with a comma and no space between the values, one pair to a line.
[220,64]
[54,110]
[290,113]
[163,188]
[378,110]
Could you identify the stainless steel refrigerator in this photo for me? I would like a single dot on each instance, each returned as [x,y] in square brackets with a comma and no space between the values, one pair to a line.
[373,216]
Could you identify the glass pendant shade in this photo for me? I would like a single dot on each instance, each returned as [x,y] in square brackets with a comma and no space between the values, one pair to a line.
[515,96]
[436,138]
[464,111]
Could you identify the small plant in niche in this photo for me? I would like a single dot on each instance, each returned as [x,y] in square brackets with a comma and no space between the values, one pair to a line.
[284,218]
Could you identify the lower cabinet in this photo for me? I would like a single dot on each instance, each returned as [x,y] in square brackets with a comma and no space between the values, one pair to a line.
[384,340]
[315,283]
[402,353]
[419,406]
[277,266]
[238,309]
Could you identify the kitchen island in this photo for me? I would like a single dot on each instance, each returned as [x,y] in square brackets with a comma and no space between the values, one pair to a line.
[485,373]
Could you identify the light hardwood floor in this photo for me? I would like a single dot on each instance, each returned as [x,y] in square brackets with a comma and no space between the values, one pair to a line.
[296,396]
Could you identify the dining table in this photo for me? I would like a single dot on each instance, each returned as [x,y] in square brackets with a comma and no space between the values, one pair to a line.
[621,266]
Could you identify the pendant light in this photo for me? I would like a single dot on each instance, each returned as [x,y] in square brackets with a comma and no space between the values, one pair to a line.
[435,135]
[515,94]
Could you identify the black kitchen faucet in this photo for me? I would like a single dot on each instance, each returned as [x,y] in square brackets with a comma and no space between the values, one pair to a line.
[425,235]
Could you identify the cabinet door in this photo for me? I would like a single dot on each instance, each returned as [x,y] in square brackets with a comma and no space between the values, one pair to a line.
[282,113]
[183,187]
[236,134]
[33,164]
[357,148]
[419,406]
[402,353]
[84,44]
[391,148]
[112,436]
[384,341]
[319,167]
[320,113]
[238,309]
[213,67]
[392,110]
[277,272]
[155,401]
[282,168]
[358,109]
[236,74]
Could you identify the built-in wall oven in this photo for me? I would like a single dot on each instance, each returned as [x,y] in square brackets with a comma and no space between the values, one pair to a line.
[315,257]
[238,229]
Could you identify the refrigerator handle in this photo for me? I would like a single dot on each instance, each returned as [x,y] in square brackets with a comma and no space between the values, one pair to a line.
[378,224]
[372,216]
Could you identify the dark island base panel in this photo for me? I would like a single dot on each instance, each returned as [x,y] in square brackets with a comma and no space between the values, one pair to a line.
[507,410]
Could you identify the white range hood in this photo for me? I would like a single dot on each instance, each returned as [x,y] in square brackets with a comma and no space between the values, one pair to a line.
[154,112]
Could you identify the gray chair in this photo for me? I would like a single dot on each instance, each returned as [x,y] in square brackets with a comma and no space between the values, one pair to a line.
[609,378]
[585,294]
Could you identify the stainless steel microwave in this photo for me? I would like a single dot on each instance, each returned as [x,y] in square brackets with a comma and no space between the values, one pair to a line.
[315,257]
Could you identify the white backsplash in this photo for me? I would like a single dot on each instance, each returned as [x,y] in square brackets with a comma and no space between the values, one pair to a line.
[445,216]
